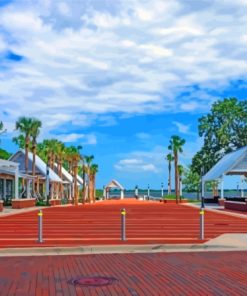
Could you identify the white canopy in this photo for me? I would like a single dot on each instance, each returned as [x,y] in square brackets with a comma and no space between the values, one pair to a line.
[69,177]
[19,157]
[234,163]
[114,184]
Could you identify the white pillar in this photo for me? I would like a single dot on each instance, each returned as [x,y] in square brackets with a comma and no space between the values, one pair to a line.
[136,191]
[122,194]
[242,185]
[104,193]
[181,189]
[28,188]
[222,188]
[4,189]
[16,183]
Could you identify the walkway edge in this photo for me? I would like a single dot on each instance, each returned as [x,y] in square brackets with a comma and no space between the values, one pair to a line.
[116,249]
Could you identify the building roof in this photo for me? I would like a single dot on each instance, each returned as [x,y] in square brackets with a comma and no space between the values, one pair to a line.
[69,177]
[234,163]
[19,157]
[114,184]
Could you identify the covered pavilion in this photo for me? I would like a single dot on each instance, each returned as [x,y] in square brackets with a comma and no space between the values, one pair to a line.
[45,180]
[68,181]
[114,184]
[234,163]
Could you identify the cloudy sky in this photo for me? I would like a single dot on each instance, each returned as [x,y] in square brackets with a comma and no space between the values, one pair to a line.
[120,76]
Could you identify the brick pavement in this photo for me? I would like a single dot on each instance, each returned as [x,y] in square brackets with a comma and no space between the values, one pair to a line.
[192,274]
[99,224]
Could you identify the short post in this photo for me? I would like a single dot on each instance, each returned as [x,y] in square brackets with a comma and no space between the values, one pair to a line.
[40,227]
[123,224]
[202,219]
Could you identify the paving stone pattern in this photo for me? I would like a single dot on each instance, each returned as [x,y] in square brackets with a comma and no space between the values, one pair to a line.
[175,274]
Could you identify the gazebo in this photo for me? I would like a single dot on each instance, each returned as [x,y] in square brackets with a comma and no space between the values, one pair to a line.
[114,184]
[234,163]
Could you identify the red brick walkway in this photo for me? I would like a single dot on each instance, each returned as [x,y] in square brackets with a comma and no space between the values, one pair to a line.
[147,223]
[192,274]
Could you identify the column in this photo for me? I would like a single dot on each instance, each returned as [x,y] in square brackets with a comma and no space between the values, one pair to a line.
[222,188]
[122,194]
[242,185]
[28,188]
[4,189]
[16,183]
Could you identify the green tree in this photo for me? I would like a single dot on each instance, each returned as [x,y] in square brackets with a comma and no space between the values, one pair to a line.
[176,146]
[170,159]
[192,181]
[180,173]
[224,129]
[93,171]
[4,154]
[2,129]
[24,126]
[88,162]
[35,130]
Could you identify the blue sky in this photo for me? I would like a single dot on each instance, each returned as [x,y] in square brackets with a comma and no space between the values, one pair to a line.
[120,77]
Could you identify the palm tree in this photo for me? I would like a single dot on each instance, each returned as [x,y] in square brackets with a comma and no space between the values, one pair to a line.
[170,158]
[180,173]
[19,141]
[176,144]
[88,160]
[93,171]
[35,130]
[46,151]
[24,125]
[2,129]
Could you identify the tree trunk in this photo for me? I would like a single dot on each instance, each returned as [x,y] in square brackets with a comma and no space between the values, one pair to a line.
[84,185]
[33,165]
[169,179]
[75,185]
[26,155]
[176,176]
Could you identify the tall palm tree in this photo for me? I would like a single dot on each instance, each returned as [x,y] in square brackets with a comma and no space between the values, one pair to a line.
[88,160]
[93,171]
[46,151]
[19,141]
[169,158]
[176,144]
[35,130]
[180,174]
[24,126]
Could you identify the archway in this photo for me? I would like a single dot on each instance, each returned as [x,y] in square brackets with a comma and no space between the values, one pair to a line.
[114,184]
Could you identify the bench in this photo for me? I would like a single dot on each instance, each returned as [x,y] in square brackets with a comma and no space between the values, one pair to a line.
[236,206]
[23,203]
[55,202]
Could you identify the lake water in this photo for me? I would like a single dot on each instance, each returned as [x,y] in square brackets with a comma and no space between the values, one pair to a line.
[157,193]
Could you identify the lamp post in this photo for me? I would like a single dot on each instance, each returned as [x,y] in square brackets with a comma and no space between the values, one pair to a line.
[162,189]
[136,191]
[202,208]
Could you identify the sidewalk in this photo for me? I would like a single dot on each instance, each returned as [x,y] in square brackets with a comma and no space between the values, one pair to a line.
[225,242]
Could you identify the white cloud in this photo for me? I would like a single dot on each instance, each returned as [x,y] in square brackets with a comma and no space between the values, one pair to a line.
[182,128]
[83,57]
[143,136]
[89,139]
